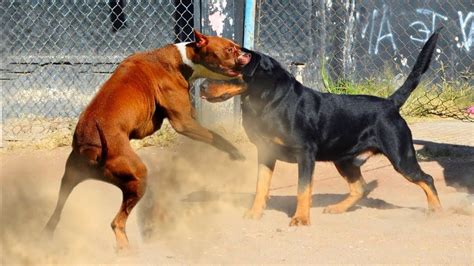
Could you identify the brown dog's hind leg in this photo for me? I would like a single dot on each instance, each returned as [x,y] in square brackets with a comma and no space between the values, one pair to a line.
[75,172]
[129,174]
[356,184]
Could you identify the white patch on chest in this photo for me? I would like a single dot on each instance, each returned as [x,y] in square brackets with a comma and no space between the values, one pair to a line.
[199,71]
[182,51]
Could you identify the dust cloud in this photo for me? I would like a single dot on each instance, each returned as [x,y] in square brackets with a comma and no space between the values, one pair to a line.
[189,186]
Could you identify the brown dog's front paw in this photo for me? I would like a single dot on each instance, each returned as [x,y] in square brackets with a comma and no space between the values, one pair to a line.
[334,209]
[122,248]
[435,207]
[253,215]
[236,156]
[300,220]
[435,210]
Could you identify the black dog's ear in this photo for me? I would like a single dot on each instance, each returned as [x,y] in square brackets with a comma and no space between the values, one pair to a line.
[250,68]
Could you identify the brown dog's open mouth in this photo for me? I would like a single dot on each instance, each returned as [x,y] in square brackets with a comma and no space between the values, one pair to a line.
[234,71]
[241,61]
[231,72]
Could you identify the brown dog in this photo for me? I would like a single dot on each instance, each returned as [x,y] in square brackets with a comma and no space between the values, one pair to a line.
[145,88]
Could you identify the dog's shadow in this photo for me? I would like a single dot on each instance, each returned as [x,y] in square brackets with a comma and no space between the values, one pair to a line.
[456,160]
[287,204]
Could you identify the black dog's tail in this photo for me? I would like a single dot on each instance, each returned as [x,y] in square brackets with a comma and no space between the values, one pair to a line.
[422,63]
[103,143]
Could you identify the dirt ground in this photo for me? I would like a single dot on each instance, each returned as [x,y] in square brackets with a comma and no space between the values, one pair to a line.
[200,198]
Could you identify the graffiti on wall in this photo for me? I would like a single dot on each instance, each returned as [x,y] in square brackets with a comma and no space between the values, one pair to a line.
[378,28]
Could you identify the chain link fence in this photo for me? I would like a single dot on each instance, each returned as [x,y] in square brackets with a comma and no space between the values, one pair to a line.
[369,46]
[56,54]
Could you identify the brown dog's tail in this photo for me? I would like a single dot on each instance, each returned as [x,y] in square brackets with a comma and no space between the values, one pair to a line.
[103,143]
[422,63]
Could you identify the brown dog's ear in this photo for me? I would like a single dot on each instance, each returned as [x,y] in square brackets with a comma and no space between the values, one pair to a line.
[200,39]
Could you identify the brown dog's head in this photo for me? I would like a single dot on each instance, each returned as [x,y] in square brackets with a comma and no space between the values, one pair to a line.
[221,90]
[215,55]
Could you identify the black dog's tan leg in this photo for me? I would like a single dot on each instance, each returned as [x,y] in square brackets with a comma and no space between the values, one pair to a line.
[75,172]
[305,185]
[411,170]
[304,201]
[426,183]
[428,187]
[356,184]
[265,172]
[129,174]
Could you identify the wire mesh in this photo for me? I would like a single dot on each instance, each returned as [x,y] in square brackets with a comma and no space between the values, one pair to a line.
[56,54]
[350,44]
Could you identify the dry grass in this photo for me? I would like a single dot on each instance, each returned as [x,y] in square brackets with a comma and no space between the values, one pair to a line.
[49,133]
[34,132]
[447,99]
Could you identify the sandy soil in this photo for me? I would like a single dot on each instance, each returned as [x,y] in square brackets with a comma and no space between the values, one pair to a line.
[200,197]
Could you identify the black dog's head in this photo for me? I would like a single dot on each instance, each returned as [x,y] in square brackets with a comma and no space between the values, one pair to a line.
[255,59]
[218,91]
[259,64]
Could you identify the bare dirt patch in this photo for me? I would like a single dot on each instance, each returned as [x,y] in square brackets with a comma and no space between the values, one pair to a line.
[200,198]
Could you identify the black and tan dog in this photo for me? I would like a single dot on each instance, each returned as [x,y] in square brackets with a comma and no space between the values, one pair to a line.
[290,122]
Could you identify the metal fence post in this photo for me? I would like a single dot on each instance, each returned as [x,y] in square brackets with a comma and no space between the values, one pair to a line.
[249,23]
[249,33]
[195,87]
